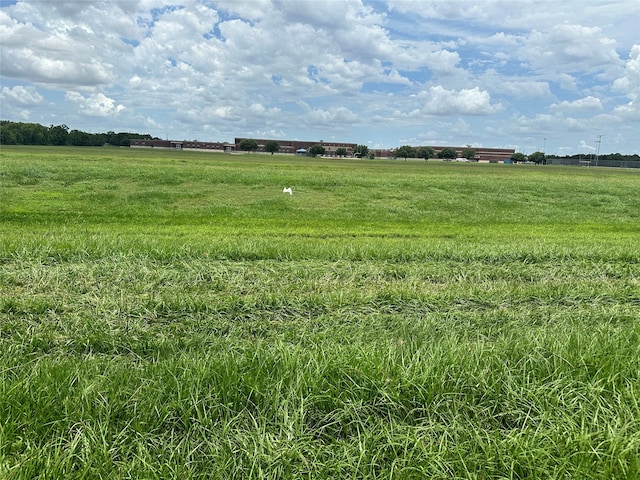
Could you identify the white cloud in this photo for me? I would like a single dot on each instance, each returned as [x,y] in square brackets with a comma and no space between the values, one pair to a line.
[630,111]
[21,96]
[96,104]
[63,43]
[629,83]
[523,14]
[444,134]
[583,146]
[249,9]
[539,123]
[569,48]
[584,104]
[493,12]
[333,117]
[513,86]
[257,110]
[440,101]
[524,88]
[501,39]
[566,81]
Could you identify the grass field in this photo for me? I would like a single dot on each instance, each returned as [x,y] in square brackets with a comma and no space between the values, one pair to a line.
[174,315]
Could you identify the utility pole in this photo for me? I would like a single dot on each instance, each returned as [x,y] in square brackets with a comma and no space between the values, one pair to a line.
[598,142]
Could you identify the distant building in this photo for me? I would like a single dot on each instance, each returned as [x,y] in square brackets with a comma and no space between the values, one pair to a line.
[182,145]
[485,155]
[296,147]
[491,155]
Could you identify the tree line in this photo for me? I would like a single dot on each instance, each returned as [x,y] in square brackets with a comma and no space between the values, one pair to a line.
[250,145]
[448,153]
[362,151]
[19,133]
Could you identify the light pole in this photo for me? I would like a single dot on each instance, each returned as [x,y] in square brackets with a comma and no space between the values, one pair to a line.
[598,148]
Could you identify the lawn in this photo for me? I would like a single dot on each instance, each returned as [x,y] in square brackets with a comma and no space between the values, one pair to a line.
[173,314]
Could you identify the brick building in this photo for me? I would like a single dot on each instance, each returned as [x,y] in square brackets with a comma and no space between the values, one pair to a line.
[182,145]
[491,155]
[292,146]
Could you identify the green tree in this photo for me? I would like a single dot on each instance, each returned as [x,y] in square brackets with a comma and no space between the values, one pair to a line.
[469,153]
[58,135]
[78,138]
[341,152]
[272,147]
[538,157]
[406,151]
[518,157]
[316,150]
[361,151]
[248,145]
[7,136]
[111,138]
[34,134]
[448,153]
[425,152]
[120,139]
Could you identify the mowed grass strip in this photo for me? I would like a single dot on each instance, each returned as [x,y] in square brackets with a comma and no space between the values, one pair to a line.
[174,315]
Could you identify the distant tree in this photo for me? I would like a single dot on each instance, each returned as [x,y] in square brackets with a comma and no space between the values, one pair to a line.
[538,157]
[272,147]
[36,134]
[119,139]
[518,157]
[469,153]
[448,153]
[425,152]
[111,138]
[58,135]
[248,145]
[33,134]
[341,152]
[9,133]
[7,137]
[316,150]
[406,151]
[361,151]
[79,139]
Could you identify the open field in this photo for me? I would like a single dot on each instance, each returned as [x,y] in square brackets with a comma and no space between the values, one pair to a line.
[174,315]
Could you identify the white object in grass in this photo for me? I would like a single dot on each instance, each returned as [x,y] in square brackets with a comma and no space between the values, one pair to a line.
[287,190]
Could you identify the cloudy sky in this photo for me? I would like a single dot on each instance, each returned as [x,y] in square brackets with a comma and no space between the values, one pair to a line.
[523,74]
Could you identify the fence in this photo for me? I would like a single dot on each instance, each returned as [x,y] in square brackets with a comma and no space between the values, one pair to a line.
[585,162]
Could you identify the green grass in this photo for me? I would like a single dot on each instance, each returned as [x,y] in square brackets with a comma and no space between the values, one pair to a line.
[174,315]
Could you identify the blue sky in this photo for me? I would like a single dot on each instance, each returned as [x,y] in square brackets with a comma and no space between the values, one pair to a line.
[523,74]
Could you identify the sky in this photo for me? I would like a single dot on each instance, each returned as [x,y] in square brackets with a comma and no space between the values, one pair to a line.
[561,77]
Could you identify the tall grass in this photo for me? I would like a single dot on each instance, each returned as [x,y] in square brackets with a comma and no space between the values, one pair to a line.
[173,315]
